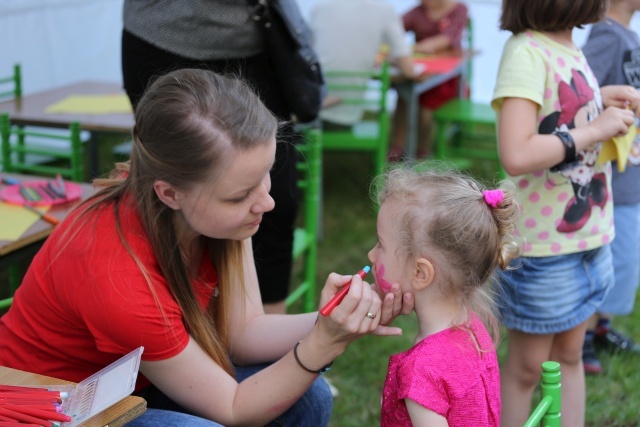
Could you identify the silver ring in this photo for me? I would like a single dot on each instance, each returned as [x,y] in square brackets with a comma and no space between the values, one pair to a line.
[371,315]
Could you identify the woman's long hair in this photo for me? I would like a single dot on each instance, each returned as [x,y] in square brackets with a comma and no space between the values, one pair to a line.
[186,124]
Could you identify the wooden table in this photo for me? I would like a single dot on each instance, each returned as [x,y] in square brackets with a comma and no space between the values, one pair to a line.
[410,91]
[41,229]
[29,110]
[121,413]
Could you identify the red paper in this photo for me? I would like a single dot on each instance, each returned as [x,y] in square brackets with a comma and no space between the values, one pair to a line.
[439,65]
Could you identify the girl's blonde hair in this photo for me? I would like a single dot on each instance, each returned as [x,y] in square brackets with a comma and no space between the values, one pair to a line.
[185,125]
[445,218]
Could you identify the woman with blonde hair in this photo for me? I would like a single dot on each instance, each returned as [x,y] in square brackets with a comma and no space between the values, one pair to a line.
[161,258]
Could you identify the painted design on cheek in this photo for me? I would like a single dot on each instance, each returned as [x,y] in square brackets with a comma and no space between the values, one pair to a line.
[383,284]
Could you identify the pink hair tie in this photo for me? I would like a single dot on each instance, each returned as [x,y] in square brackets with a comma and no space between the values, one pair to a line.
[493,197]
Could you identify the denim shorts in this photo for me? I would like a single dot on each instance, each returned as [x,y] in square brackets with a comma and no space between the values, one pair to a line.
[625,249]
[548,295]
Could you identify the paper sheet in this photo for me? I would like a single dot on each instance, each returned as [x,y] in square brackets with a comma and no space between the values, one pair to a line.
[618,148]
[16,220]
[437,64]
[92,104]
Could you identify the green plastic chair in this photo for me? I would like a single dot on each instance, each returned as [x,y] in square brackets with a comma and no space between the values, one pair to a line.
[5,304]
[14,273]
[11,86]
[368,91]
[63,151]
[305,242]
[547,413]
[465,130]
[14,281]
[14,82]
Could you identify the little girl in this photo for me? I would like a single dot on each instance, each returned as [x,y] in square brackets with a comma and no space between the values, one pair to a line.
[441,237]
[550,127]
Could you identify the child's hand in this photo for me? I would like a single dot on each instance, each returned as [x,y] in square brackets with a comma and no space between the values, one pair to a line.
[612,122]
[621,96]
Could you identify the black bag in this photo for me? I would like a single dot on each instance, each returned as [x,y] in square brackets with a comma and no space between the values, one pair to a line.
[295,63]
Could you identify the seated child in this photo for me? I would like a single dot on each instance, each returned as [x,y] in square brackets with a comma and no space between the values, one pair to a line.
[438,26]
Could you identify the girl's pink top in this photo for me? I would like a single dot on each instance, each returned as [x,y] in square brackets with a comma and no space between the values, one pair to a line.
[447,374]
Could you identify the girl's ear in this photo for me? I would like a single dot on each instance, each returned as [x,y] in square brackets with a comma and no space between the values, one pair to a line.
[423,274]
[167,194]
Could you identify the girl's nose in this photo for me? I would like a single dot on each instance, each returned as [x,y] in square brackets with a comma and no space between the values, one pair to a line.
[371,255]
[265,202]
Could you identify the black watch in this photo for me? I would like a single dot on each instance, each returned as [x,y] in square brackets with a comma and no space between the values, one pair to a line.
[570,155]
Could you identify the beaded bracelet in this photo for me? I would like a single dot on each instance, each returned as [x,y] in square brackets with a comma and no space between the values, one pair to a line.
[295,354]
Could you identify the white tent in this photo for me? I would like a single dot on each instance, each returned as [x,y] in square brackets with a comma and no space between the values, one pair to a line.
[64,41]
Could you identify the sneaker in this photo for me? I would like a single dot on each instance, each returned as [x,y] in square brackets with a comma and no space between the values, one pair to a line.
[590,358]
[613,341]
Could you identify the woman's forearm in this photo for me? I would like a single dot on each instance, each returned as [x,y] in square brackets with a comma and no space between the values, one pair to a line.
[258,343]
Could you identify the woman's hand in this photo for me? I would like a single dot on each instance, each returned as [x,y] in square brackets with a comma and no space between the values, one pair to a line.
[358,314]
[394,303]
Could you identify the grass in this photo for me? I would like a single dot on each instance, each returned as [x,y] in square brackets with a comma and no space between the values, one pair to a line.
[613,398]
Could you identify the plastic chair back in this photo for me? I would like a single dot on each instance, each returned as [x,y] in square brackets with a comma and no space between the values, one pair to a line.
[366,92]
[11,86]
[5,304]
[14,274]
[305,242]
[548,412]
[62,151]
[465,130]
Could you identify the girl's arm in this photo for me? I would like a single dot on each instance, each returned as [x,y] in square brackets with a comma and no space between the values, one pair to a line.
[522,150]
[256,337]
[265,338]
[407,67]
[433,44]
[423,417]
[194,381]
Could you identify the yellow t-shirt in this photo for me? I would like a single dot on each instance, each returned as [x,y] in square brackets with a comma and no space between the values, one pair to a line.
[571,210]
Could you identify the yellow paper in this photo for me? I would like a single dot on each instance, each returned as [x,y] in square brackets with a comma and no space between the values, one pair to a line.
[16,220]
[618,148]
[607,152]
[92,104]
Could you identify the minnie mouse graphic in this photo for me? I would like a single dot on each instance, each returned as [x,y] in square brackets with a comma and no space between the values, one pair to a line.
[578,106]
